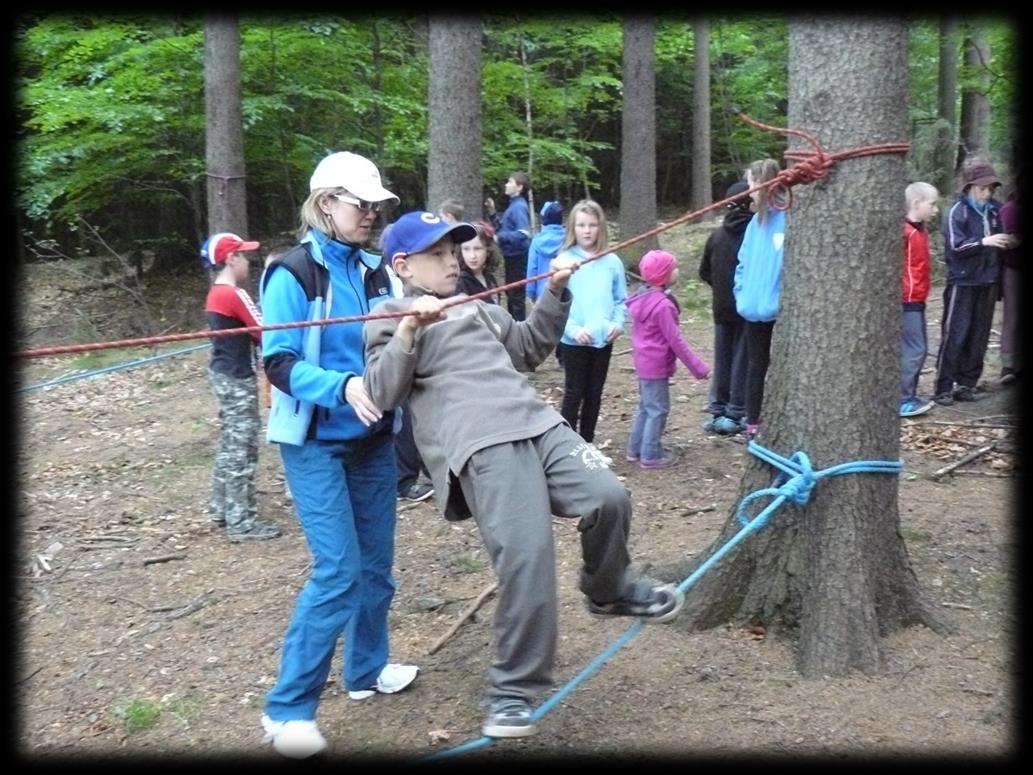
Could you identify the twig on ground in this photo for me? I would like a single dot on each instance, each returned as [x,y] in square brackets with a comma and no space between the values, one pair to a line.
[163,558]
[947,604]
[966,458]
[471,609]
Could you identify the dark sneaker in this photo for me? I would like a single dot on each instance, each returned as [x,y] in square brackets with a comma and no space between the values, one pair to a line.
[646,599]
[256,531]
[1008,376]
[509,717]
[417,491]
[217,521]
[966,393]
[915,407]
[943,399]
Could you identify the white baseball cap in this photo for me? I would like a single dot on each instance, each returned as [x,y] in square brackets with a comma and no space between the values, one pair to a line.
[358,174]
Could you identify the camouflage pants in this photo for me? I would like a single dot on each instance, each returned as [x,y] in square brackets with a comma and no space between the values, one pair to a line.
[233,477]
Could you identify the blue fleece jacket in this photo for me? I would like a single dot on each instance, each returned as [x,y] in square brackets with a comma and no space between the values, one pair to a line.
[758,275]
[599,289]
[513,229]
[310,366]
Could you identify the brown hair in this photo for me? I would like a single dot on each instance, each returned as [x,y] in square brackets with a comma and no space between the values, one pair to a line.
[486,234]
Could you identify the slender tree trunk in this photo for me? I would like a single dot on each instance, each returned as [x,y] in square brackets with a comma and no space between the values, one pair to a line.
[638,136]
[702,188]
[975,105]
[529,124]
[454,155]
[224,129]
[946,104]
[834,572]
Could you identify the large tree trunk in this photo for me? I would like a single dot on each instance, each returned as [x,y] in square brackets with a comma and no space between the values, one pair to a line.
[454,154]
[638,137]
[975,105]
[224,129]
[702,189]
[946,105]
[834,572]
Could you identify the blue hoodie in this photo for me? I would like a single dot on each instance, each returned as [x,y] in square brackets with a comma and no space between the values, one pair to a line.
[545,246]
[758,275]
[599,289]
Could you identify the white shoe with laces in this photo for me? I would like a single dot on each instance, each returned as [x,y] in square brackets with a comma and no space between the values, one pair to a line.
[294,739]
[393,678]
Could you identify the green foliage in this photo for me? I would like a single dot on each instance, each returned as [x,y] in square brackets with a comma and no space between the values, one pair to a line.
[138,714]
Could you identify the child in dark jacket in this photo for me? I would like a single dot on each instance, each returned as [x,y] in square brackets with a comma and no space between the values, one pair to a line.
[717,269]
[478,258]
[657,345]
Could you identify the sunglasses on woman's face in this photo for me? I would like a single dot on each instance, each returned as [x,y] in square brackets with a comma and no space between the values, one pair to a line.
[362,204]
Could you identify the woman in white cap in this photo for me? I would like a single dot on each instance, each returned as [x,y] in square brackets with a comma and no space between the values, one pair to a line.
[337,449]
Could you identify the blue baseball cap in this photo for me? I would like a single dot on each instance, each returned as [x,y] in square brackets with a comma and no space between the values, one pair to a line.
[418,230]
[551,213]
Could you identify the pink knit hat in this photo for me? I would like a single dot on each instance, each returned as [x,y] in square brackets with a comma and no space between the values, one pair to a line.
[656,266]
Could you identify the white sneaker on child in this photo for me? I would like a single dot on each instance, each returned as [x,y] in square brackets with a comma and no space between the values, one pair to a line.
[294,739]
[393,678]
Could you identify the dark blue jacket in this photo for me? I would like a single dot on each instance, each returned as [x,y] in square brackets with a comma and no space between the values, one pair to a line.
[513,229]
[968,261]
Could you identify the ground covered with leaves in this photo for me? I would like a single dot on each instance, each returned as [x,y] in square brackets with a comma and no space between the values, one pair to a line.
[142,631]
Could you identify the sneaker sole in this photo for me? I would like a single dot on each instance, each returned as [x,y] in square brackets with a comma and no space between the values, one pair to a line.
[504,731]
[365,694]
[407,499]
[679,598]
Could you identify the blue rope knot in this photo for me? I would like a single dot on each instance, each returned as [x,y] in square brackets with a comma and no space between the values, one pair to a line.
[799,486]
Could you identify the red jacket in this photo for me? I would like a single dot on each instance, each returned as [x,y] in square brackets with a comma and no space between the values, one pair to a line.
[917,263]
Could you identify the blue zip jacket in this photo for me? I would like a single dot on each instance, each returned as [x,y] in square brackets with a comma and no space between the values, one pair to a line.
[968,261]
[545,246]
[513,230]
[758,275]
[599,290]
[308,367]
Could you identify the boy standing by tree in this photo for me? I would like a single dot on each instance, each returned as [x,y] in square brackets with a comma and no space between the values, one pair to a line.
[920,199]
[489,441]
[231,372]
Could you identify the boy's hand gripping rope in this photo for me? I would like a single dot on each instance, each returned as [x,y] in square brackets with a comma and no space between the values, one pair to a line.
[808,168]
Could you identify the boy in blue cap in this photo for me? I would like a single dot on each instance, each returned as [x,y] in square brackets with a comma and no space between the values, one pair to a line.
[490,441]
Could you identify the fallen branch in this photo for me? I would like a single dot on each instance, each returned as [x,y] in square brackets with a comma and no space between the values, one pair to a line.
[471,609]
[163,558]
[957,605]
[967,458]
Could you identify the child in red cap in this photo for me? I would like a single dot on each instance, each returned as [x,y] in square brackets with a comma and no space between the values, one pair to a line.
[657,344]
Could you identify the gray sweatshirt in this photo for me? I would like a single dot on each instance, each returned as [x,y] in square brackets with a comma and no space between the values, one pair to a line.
[463,383]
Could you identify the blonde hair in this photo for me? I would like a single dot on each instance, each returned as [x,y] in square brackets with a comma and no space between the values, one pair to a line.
[920,191]
[761,171]
[312,215]
[592,208]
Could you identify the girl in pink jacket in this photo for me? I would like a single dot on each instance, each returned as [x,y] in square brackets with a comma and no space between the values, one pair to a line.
[657,344]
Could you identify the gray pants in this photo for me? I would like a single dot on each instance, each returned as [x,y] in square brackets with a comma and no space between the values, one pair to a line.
[233,476]
[513,489]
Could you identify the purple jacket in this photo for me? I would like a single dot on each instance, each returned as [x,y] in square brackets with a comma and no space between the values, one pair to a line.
[656,339]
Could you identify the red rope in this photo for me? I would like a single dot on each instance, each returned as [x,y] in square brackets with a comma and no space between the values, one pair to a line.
[808,168]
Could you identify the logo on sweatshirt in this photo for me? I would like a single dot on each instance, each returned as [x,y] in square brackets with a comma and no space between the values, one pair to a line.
[590,456]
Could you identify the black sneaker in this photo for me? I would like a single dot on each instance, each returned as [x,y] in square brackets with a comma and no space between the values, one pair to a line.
[417,491]
[944,399]
[966,393]
[256,531]
[646,599]
[1008,376]
[509,717]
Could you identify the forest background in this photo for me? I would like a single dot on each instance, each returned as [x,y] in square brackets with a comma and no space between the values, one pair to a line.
[111,114]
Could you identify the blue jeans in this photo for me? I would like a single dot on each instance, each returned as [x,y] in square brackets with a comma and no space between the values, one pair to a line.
[344,495]
[912,352]
[654,405]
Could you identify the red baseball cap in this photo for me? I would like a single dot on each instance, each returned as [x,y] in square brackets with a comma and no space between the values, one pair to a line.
[217,248]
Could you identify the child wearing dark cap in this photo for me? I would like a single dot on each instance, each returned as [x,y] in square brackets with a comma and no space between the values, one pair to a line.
[490,441]
[231,372]
[717,269]
[973,240]
[657,346]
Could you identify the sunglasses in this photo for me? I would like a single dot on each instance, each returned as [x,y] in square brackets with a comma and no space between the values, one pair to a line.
[362,204]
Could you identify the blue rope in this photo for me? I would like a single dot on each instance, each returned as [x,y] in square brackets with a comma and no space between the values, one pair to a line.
[116,367]
[795,483]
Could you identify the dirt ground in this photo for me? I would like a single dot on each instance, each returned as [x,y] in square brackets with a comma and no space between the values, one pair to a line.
[142,632]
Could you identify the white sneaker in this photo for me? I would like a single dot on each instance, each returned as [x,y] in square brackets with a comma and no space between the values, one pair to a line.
[393,678]
[294,739]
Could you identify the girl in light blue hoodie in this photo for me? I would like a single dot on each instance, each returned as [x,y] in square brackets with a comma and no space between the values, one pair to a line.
[596,316]
[758,283]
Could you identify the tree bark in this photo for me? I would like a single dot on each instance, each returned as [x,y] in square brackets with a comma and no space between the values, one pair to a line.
[638,137]
[224,128]
[702,188]
[454,91]
[946,102]
[835,572]
[975,105]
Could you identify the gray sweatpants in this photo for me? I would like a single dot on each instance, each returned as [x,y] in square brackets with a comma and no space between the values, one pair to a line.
[513,489]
